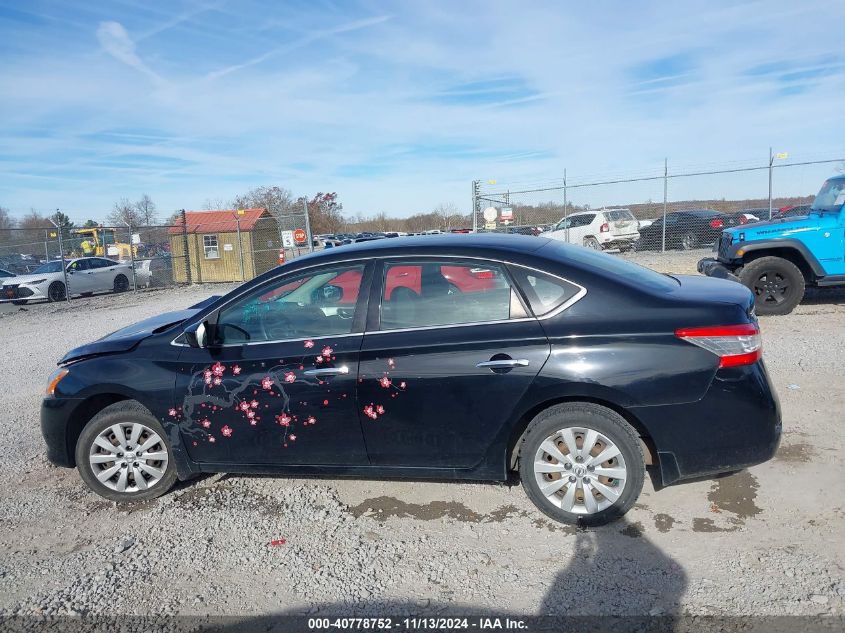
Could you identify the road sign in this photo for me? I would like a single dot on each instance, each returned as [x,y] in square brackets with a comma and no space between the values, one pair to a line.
[300,236]
[507,213]
[287,239]
[490,226]
[490,214]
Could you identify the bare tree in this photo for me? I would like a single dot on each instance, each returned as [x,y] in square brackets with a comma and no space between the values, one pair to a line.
[34,220]
[214,204]
[145,212]
[122,214]
[277,200]
[6,220]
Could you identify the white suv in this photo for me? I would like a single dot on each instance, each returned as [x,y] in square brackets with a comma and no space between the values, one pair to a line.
[603,229]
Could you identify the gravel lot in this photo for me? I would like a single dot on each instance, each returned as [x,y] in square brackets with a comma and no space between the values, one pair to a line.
[765,541]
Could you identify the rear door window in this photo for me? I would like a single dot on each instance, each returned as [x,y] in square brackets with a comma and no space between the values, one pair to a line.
[440,293]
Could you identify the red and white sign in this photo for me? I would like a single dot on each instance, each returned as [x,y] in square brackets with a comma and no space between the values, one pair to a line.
[300,236]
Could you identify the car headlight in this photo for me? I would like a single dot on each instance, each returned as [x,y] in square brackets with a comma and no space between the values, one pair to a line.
[33,283]
[55,378]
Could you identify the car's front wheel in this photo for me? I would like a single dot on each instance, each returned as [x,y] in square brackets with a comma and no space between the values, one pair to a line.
[123,454]
[581,463]
[56,291]
[777,284]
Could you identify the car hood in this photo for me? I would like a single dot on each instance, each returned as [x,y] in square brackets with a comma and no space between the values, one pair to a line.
[24,279]
[125,339]
[783,227]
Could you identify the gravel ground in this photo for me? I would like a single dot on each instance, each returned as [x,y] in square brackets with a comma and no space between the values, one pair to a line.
[769,540]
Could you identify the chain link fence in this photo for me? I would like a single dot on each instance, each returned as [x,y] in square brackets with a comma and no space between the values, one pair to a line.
[660,210]
[228,246]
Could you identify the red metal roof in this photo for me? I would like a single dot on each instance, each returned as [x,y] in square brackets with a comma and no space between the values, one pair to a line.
[220,221]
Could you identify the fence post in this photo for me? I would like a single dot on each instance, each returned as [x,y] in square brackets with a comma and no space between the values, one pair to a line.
[46,248]
[241,246]
[665,201]
[62,254]
[475,206]
[132,259]
[771,163]
[565,223]
[307,226]
[185,246]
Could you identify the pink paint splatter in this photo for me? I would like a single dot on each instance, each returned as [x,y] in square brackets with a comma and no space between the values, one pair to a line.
[206,423]
[380,410]
[327,351]
[311,420]
[172,412]
[290,377]
[385,382]
[284,419]
[292,437]
[402,385]
[244,405]
[254,404]
[217,381]
[236,370]
[212,439]
[226,431]
[267,383]
[309,344]
[218,369]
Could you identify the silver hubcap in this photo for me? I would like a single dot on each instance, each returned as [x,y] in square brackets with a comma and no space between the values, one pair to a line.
[128,457]
[580,470]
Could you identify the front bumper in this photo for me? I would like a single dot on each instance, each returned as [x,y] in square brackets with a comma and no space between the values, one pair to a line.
[56,416]
[714,268]
[735,425]
[17,293]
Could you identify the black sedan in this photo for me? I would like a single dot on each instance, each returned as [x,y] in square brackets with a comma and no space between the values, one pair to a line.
[686,229]
[448,357]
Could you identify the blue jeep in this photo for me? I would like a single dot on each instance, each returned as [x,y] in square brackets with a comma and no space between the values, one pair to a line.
[779,258]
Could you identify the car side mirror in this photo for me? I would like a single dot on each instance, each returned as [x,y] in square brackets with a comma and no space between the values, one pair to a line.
[196,335]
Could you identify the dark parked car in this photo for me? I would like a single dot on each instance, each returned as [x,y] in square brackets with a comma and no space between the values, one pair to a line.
[576,368]
[6,273]
[686,230]
[794,211]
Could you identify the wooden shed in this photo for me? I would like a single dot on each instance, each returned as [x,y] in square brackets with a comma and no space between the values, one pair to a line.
[224,245]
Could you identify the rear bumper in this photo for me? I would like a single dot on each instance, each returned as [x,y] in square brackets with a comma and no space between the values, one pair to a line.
[55,422]
[736,424]
[714,268]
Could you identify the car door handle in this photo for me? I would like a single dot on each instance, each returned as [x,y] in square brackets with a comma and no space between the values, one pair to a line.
[328,371]
[504,363]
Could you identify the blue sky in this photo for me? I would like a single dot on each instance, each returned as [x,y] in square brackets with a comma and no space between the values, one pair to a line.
[397,106]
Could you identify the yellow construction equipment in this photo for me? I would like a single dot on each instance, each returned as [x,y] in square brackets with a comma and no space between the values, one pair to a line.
[102,242]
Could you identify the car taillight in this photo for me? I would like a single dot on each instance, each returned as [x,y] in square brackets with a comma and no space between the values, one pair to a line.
[482,273]
[735,345]
[604,228]
[717,224]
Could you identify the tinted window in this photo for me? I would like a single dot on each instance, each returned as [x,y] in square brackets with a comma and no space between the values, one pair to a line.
[307,305]
[79,264]
[614,266]
[618,214]
[420,294]
[51,267]
[544,292]
[102,263]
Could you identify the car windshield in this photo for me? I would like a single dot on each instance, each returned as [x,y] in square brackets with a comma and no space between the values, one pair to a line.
[616,266]
[831,196]
[50,267]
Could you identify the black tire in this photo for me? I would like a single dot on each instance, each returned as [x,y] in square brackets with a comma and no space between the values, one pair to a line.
[56,291]
[592,243]
[689,241]
[607,423]
[777,284]
[121,283]
[19,302]
[125,412]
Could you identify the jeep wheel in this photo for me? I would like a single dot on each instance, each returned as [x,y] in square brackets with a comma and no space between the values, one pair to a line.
[777,284]
[593,243]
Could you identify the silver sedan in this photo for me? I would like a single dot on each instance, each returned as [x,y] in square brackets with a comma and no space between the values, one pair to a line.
[85,275]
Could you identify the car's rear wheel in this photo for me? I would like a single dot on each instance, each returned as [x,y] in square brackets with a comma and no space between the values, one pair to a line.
[123,454]
[593,243]
[581,463]
[689,241]
[777,284]
[121,283]
[56,291]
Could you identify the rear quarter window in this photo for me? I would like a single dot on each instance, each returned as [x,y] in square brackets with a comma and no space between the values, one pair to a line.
[619,214]
[545,292]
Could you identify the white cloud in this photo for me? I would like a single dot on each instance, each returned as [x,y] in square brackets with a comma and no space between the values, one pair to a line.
[116,42]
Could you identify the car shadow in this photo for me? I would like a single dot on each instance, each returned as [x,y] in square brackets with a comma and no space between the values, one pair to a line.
[612,576]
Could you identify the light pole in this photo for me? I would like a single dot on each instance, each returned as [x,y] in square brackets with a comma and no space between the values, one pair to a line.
[772,157]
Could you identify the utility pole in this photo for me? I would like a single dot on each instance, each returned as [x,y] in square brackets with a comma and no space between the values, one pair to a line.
[132,259]
[307,225]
